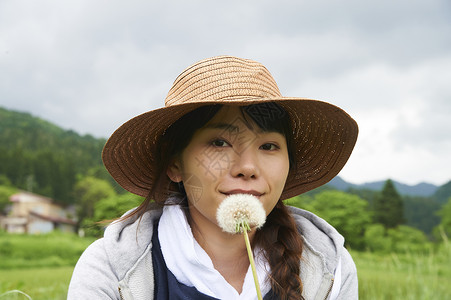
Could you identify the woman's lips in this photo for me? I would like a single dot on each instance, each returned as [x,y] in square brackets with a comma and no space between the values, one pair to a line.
[240,191]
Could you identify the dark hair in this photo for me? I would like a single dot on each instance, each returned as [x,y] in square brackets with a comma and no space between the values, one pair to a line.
[279,236]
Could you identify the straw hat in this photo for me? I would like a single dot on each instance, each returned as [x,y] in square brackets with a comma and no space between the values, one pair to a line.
[323,134]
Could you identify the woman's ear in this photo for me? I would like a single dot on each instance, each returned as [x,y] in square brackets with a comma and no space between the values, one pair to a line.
[174,171]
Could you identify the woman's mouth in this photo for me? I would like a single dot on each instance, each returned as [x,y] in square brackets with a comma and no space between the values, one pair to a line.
[242,191]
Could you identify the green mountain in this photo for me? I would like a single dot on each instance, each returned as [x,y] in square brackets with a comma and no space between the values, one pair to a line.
[422,189]
[38,156]
[443,193]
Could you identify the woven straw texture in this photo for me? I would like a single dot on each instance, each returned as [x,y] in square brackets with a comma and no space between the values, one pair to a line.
[323,134]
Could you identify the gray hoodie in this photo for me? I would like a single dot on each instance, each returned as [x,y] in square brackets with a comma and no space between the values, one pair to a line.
[119,265]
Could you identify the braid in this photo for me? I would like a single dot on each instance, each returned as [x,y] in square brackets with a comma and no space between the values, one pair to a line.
[283,246]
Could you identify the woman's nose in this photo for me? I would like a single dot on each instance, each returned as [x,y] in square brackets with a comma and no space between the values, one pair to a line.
[245,165]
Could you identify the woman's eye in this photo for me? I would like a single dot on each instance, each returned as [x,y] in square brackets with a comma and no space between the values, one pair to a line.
[220,143]
[269,147]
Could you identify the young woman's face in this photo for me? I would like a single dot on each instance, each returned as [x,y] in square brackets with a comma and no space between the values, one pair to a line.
[227,157]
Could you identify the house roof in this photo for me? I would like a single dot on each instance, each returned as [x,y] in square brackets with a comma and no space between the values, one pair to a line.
[24,196]
[53,218]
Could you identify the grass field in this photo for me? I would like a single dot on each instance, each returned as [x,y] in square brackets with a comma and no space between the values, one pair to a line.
[381,276]
[39,284]
[404,276]
[47,250]
[38,265]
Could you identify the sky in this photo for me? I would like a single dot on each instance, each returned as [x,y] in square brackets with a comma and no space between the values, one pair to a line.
[90,65]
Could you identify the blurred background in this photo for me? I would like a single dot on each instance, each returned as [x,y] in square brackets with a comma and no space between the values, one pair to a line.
[71,72]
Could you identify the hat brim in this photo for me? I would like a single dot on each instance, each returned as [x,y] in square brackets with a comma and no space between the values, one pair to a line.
[323,138]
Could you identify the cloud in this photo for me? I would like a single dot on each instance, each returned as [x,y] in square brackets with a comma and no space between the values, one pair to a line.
[404,127]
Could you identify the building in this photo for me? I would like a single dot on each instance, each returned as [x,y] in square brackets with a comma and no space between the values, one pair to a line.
[33,214]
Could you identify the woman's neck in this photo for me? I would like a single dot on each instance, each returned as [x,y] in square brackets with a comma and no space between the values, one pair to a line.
[227,252]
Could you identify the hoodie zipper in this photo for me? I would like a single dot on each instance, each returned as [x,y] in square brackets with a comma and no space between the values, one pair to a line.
[329,289]
[120,293]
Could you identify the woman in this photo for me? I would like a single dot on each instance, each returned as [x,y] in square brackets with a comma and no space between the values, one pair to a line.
[225,129]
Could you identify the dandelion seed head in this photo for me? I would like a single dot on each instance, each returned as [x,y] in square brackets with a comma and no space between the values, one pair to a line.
[238,209]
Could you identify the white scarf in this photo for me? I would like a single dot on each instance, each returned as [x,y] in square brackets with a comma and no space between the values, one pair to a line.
[192,266]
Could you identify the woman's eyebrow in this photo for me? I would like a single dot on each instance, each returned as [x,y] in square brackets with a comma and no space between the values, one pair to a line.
[224,126]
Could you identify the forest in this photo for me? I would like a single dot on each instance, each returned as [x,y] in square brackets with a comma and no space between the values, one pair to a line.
[38,156]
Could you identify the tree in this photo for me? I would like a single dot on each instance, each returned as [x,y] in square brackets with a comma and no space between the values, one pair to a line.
[5,192]
[388,207]
[421,213]
[347,213]
[445,214]
[300,201]
[88,191]
[376,239]
[443,193]
[406,238]
[108,209]
[399,239]
[101,172]
[364,193]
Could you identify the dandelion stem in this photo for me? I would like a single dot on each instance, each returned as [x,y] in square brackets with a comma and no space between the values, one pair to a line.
[251,259]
